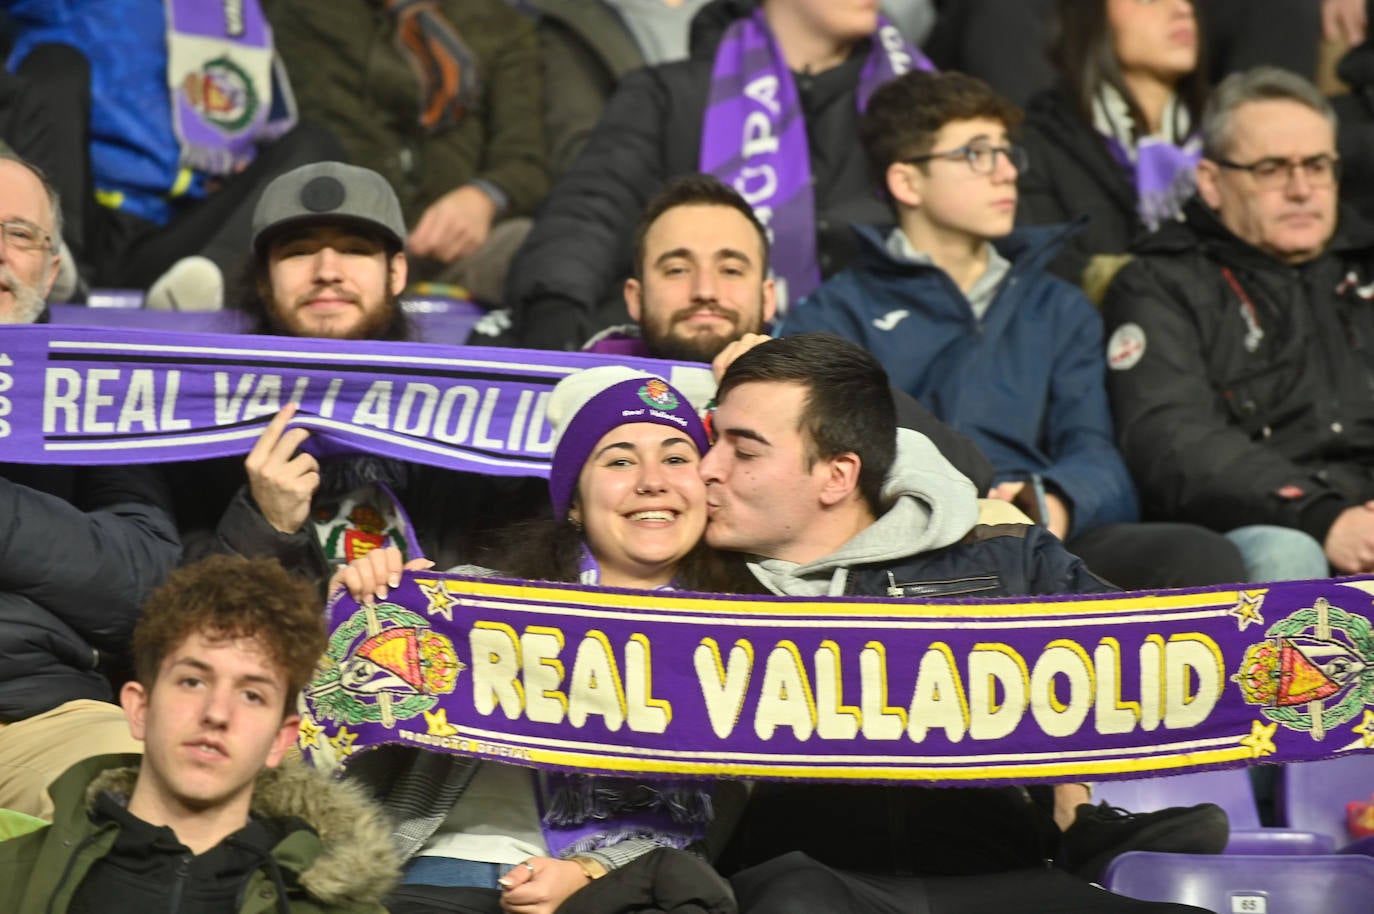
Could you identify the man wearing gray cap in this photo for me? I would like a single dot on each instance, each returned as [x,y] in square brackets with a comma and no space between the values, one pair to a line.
[328,261]
[328,255]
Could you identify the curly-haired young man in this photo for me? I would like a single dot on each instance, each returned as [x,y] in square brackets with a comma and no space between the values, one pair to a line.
[209,817]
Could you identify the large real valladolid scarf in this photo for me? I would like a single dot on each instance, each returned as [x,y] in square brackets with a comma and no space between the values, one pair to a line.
[675,684]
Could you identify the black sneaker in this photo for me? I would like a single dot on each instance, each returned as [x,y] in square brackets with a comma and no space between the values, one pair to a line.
[1100,833]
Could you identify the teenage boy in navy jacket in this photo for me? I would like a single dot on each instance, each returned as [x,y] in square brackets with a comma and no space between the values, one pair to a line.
[963,315]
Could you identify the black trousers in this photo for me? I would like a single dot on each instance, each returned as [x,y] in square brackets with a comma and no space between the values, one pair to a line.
[1150,556]
[797,884]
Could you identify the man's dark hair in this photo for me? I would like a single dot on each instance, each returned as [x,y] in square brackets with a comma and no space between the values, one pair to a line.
[248,293]
[694,190]
[905,114]
[1081,48]
[848,403]
[227,597]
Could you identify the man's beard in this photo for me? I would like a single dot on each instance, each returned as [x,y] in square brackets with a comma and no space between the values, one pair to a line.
[28,303]
[663,343]
[386,322]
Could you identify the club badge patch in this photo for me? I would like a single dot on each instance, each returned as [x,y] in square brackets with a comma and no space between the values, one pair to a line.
[1126,347]
[1314,671]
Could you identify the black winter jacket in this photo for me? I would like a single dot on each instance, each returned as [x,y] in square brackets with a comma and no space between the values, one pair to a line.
[565,283]
[1072,174]
[1231,413]
[450,510]
[80,549]
[1002,560]
[909,830]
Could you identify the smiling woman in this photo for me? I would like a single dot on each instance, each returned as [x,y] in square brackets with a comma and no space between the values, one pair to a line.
[1116,139]
[629,510]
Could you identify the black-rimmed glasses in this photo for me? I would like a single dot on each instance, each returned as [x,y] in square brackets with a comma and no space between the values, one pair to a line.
[24,235]
[981,157]
[1273,173]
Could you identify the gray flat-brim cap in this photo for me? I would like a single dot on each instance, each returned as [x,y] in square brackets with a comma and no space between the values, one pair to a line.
[328,192]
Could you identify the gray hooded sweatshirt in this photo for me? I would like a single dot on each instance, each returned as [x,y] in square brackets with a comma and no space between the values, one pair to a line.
[932,505]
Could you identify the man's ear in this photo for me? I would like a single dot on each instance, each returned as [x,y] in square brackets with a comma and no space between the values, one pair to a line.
[133,698]
[904,183]
[286,735]
[398,272]
[634,299]
[770,299]
[841,478]
[1208,183]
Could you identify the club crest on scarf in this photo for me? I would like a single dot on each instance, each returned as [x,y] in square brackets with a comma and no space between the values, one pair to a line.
[222,93]
[383,664]
[1314,671]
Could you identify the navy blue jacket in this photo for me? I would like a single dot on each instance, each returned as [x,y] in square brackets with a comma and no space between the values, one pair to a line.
[1027,383]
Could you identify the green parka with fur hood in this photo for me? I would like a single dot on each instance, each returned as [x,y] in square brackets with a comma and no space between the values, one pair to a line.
[342,864]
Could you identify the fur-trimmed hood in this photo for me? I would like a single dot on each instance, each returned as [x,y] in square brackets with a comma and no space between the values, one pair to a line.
[354,863]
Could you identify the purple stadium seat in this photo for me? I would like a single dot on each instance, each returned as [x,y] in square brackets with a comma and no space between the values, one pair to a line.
[1233,884]
[1312,795]
[1228,788]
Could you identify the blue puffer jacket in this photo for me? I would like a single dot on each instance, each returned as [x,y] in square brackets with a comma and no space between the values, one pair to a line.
[135,155]
[1027,383]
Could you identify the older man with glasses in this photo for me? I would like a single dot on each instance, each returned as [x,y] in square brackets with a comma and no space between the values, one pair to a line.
[80,549]
[1242,341]
[29,221]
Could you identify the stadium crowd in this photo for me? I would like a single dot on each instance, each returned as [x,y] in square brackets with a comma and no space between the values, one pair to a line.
[1102,268]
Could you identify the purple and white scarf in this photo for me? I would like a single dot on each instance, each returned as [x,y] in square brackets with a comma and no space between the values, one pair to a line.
[1162,167]
[754,137]
[229,91]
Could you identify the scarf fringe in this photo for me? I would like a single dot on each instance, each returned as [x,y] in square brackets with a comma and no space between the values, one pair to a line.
[605,839]
[583,798]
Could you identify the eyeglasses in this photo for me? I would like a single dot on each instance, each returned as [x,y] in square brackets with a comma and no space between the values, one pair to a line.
[981,157]
[24,235]
[1321,170]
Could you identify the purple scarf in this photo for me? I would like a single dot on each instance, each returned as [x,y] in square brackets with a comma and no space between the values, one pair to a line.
[1164,175]
[754,137]
[229,90]
[1163,168]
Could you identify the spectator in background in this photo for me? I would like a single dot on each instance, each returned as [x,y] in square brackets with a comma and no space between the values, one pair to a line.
[1002,41]
[328,262]
[1355,130]
[701,292]
[796,163]
[1238,340]
[80,549]
[965,319]
[465,154]
[587,46]
[169,176]
[1116,139]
